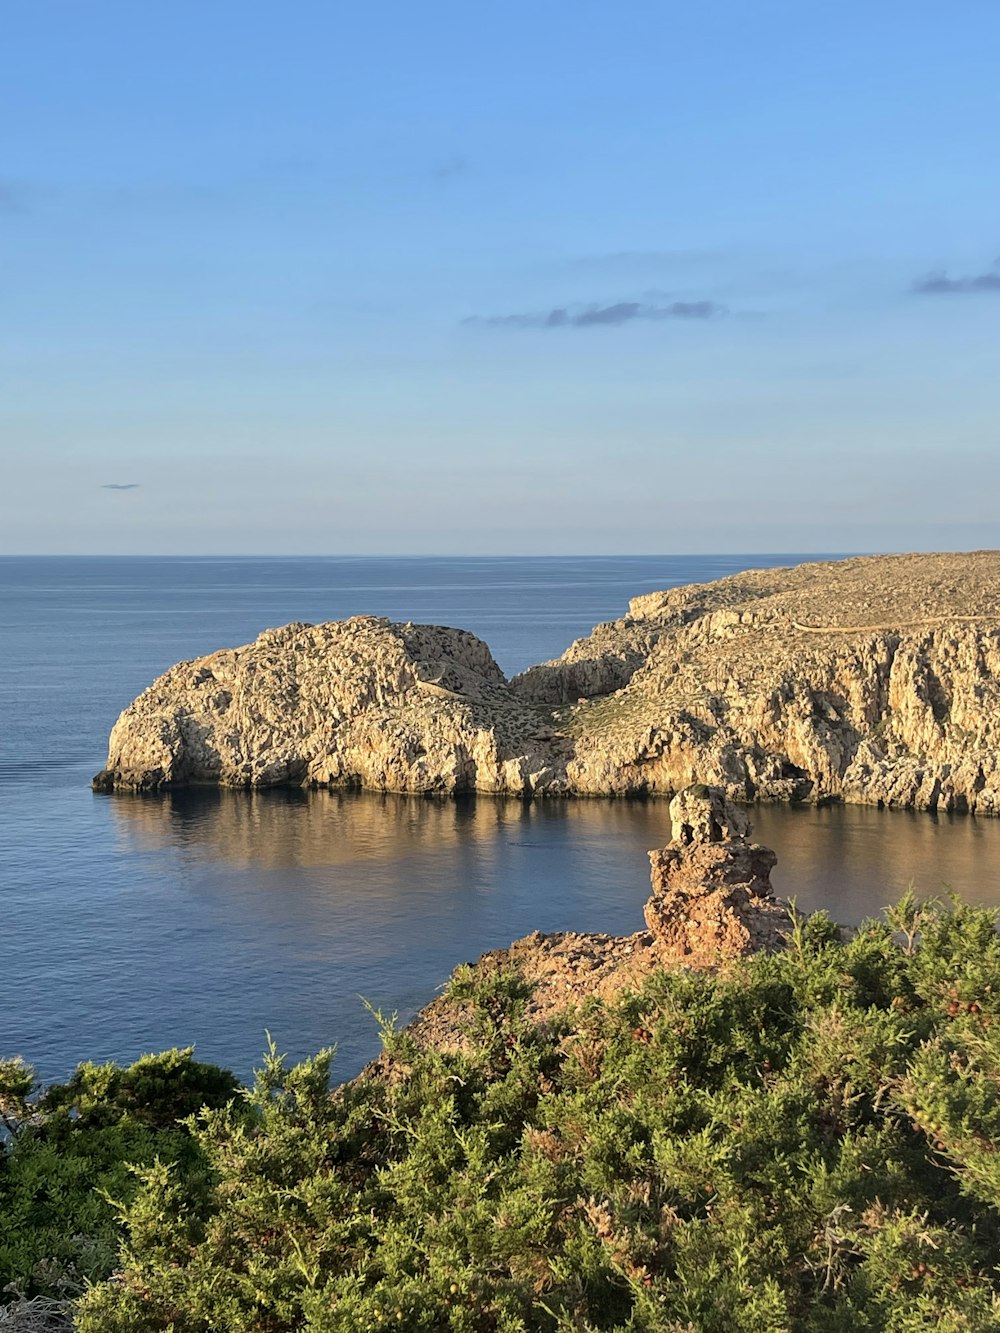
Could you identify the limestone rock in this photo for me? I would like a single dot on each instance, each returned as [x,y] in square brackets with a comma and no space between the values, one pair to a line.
[711,887]
[702,814]
[871,680]
[355,703]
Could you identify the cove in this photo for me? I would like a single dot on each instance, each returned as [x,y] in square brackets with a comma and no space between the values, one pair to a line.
[219,914]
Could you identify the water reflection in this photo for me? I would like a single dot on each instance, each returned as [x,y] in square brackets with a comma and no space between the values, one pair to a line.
[297,829]
[850,859]
[219,914]
[853,860]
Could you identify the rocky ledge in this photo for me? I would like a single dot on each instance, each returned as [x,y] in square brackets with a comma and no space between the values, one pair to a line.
[873,680]
[711,903]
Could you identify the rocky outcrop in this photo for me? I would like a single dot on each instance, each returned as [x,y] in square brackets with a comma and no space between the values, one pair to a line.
[712,894]
[711,904]
[870,680]
[359,703]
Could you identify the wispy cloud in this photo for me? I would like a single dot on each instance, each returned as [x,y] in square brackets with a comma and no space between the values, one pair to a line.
[449,169]
[939,284]
[606,316]
[637,261]
[121,486]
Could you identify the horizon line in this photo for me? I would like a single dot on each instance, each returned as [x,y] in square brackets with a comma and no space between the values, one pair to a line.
[452,555]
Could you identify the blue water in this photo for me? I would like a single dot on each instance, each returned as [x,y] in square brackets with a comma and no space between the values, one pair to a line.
[135,924]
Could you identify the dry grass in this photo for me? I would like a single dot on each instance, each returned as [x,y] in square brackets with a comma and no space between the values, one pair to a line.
[39,1315]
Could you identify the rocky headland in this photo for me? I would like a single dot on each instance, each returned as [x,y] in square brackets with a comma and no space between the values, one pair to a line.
[872,680]
[711,903]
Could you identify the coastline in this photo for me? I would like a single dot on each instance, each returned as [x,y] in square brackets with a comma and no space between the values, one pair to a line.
[565,1138]
[723,682]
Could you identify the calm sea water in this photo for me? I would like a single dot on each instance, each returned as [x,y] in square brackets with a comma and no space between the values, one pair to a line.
[132,924]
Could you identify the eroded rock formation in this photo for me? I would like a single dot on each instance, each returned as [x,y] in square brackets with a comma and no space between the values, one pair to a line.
[711,886]
[358,703]
[870,680]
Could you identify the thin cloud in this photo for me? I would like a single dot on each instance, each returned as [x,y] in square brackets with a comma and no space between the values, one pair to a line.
[626,261]
[121,486]
[607,316]
[939,284]
[451,168]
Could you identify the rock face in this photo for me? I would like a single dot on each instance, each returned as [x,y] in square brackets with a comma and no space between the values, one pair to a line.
[356,703]
[870,680]
[711,887]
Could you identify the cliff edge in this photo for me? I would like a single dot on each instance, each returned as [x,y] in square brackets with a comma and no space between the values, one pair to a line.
[873,680]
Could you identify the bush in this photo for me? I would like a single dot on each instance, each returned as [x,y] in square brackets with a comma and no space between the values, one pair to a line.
[72,1150]
[806,1142]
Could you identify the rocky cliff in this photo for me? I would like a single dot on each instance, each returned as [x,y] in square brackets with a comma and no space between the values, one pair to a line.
[872,680]
[356,703]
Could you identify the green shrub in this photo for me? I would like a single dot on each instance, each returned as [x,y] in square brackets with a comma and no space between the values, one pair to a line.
[806,1142]
[69,1152]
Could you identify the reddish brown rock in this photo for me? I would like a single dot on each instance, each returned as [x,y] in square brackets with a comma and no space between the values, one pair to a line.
[712,887]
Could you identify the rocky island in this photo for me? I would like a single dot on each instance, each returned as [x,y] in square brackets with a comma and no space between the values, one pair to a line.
[872,680]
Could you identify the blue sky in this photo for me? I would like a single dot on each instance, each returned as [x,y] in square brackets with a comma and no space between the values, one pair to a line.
[525,277]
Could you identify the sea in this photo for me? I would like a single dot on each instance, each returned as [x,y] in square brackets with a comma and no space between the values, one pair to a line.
[212,918]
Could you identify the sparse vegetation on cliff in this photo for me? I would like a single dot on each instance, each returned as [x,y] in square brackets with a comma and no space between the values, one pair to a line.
[873,680]
[802,1141]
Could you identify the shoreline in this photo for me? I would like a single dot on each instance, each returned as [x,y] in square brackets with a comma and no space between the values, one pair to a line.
[896,704]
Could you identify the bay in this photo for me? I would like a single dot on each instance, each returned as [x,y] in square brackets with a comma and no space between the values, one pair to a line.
[133,924]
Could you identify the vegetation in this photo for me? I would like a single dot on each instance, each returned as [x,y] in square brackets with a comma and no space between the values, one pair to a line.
[71,1150]
[805,1142]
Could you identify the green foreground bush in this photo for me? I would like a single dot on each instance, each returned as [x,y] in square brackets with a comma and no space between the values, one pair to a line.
[808,1142]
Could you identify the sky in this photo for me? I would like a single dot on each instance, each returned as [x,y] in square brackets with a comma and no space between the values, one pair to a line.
[555,277]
